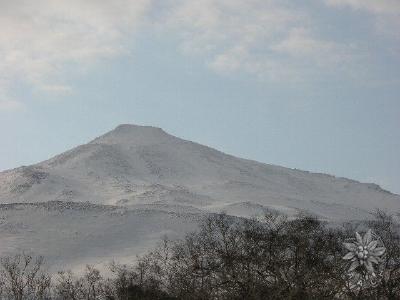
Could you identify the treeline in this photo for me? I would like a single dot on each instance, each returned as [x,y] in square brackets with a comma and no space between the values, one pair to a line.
[228,258]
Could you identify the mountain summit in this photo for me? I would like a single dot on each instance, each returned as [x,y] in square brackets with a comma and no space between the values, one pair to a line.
[132,134]
[141,173]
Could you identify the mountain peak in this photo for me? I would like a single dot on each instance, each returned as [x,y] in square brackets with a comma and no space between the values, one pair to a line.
[131,127]
[132,134]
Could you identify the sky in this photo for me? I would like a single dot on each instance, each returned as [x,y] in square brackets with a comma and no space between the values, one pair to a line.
[313,85]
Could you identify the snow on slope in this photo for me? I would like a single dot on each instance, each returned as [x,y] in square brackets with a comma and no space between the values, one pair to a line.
[72,234]
[139,168]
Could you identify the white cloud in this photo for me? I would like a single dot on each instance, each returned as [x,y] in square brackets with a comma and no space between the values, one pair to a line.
[10,105]
[7,103]
[56,89]
[38,38]
[270,39]
[275,40]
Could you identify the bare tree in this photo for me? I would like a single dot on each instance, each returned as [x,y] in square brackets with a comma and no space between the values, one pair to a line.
[227,258]
[67,287]
[23,277]
[389,231]
[87,287]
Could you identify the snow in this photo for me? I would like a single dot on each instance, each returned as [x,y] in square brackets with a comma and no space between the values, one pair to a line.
[114,197]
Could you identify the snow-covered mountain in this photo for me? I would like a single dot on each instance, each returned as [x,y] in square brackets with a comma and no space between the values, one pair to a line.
[116,195]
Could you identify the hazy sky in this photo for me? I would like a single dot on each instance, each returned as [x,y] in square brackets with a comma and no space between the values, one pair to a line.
[313,85]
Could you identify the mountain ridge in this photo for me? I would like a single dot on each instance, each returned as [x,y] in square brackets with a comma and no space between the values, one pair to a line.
[102,139]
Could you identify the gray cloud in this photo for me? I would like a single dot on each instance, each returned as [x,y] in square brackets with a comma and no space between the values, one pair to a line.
[385,12]
[377,7]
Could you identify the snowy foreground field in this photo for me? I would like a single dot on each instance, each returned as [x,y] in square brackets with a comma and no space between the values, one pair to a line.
[116,196]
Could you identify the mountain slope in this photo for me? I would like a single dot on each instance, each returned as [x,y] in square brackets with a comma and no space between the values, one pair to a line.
[143,165]
[139,168]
